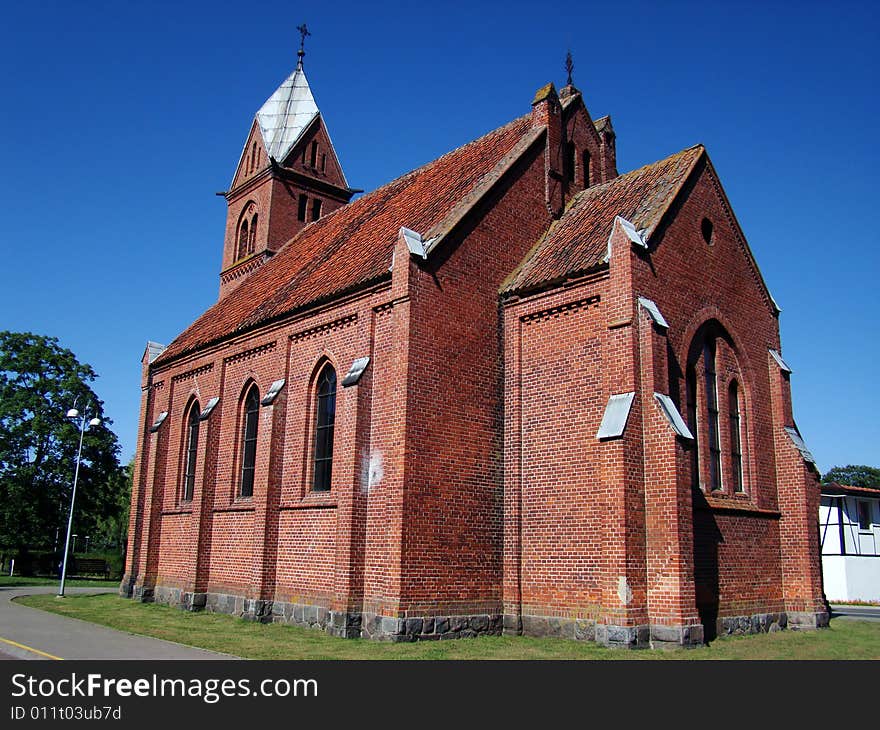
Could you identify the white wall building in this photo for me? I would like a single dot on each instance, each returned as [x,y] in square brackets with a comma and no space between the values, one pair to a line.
[849,529]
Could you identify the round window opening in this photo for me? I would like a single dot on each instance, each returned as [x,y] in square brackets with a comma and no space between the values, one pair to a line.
[707,228]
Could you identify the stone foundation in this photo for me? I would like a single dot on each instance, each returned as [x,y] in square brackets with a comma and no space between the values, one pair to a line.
[432,628]
[808,620]
[759,623]
[348,625]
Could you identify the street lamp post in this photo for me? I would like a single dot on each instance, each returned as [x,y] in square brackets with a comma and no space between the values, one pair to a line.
[74,413]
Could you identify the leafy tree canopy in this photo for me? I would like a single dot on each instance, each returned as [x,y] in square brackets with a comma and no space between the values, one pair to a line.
[39,382]
[855,475]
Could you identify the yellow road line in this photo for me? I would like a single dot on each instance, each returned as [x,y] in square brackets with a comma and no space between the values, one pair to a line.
[30,648]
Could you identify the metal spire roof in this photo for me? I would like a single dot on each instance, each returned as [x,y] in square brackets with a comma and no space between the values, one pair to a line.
[286,114]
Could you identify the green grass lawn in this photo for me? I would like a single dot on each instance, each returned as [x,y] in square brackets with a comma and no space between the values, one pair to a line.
[13,581]
[846,639]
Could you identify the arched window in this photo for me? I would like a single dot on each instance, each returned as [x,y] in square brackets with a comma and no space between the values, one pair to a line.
[191,451]
[735,437]
[314,155]
[691,394]
[252,241]
[586,169]
[243,237]
[712,413]
[716,465]
[325,418]
[249,441]
[253,156]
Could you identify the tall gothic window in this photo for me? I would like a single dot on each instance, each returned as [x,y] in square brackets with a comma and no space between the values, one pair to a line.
[191,452]
[714,441]
[691,392]
[316,209]
[252,241]
[325,418]
[243,238]
[735,438]
[302,206]
[586,169]
[249,441]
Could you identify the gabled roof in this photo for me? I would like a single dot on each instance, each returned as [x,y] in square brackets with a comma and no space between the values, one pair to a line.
[578,241]
[833,488]
[287,114]
[352,246]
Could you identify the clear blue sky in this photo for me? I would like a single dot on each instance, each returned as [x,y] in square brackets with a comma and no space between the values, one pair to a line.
[119,122]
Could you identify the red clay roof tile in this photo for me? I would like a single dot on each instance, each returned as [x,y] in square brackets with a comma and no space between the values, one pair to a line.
[578,241]
[351,246]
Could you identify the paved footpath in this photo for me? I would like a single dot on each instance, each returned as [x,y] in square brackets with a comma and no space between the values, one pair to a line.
[28,633]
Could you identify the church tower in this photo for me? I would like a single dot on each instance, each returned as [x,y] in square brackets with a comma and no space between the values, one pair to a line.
[288,176]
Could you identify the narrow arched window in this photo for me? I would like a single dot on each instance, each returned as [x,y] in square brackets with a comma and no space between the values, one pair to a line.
[253,156]
[735,438]
[325,418]
[313,159]
[691,395]
[586,169]
[714,442]
[243,237]
[252,241]
[249,441]
[302,207]
[191,451]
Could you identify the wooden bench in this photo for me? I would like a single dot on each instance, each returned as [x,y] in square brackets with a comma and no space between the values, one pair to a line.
[90,566]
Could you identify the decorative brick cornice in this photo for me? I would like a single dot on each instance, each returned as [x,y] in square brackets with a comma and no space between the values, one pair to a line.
[248,265]
[195,372]
[248,354]
[335,324]
[546,314]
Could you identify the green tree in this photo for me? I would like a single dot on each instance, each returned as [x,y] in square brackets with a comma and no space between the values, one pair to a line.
[39,382]
[855,475]
[111,531]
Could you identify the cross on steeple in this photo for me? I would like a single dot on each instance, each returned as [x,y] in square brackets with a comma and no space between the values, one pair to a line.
[569,67]
[303,32]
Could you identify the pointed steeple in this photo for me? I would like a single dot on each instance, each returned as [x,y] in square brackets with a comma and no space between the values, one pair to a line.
[288,175]
[287,114]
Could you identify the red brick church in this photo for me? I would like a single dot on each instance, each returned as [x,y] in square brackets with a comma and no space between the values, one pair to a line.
[512,391]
